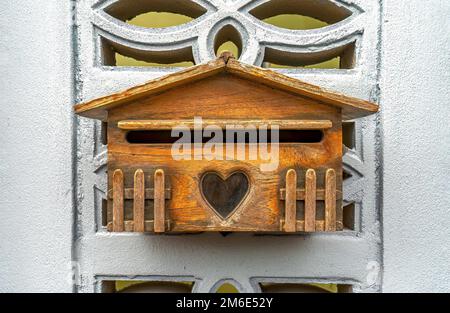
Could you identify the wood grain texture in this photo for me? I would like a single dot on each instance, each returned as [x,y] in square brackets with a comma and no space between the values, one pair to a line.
[128,193]
[98,108]
[290,225]
[330,200]
[320,225]
[310,200]
[351,107]
[320,194]
[224,194]
[159,202]
[129,226]
[170,124]
[118,212]
[225,91]
[223,98]
[139,201]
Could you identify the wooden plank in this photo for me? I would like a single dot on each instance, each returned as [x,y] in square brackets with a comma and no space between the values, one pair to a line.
[320,225]
[149,225]
[159,202]
[139,201]
[98,108]
[330,200]
[291,202]
[310,200]
[351,107]
[129,226]
[128,193]
[320,194]
[118,212]
[170,124]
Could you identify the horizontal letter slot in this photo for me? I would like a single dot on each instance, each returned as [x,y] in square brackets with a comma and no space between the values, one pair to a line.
[238,136]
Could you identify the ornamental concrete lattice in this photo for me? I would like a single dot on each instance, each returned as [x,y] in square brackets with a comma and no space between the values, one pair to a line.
[352,257]
[257,39]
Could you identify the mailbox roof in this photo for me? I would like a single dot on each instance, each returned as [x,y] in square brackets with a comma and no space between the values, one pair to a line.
[351,107]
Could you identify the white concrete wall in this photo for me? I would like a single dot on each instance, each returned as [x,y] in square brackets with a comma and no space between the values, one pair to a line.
[415,96]
[35,146]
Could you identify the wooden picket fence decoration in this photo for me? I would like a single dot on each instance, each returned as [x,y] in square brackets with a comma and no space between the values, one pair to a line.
[291,194]
[310,194]
[139,194]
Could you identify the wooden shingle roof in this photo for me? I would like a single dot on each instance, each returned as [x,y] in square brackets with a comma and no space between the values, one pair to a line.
[351,107]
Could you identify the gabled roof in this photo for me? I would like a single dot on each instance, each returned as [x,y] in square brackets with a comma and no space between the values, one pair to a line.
[351,107]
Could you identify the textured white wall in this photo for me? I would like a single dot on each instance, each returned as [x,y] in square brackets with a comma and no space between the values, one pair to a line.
[35,146]
[415,95]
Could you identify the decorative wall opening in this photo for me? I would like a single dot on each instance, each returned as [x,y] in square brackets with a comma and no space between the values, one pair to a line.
[151,14]
[104,133]
[346,175]
[304,15]
[228,38]
[115,54]
[134,286]
[349,218]
[348,134]
[154,20]
[159,20]
[125,61]
[228,46]
[104,212]
[332,63]
[305,288]
[295,22]
[126,10]
[294,16]
[227,288]
[342,57]
[325,11]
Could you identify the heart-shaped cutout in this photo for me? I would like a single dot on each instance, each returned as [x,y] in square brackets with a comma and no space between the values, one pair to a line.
[224,195]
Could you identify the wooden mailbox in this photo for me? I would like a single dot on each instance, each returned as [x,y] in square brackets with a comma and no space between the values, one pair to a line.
[154,187]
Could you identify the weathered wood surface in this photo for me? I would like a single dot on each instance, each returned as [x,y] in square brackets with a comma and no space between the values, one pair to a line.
[310,200]
[118,210]
[330,200]
[351,107]
[139,201]
[170,124]
[320,194]
[159,202]
[290,225]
